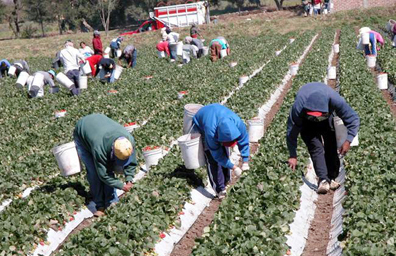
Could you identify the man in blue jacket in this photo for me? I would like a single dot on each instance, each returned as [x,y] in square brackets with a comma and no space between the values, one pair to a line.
[221,128]
[4,66]
[312,115]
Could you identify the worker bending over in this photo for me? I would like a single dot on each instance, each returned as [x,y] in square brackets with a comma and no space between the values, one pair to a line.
[376,41]
[312,115]
[198,46]
[221,128]
[71,60]
[105,148]
[4,66]
[107,67]
[37,89]
[129,55]
[216,46]
[94,63]
[115,45]
[21,66]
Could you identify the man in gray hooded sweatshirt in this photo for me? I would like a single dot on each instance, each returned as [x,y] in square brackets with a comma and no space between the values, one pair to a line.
[312,115]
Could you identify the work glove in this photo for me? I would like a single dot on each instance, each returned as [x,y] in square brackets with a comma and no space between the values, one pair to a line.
[127,186]
[245,166]
[237,171]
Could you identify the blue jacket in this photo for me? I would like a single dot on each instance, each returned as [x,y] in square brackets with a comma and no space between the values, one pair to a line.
[6,62]
[319,97]
[219,124]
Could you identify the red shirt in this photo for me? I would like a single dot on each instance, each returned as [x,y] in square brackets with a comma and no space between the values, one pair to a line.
[317,2]
[97,45]
[93,61]
[163,47]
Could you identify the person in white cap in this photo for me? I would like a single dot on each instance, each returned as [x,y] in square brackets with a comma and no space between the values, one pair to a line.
[21,65]
[105,147]
[71,60]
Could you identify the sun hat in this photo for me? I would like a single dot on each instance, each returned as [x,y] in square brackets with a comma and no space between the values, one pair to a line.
[52,73]
[122,148]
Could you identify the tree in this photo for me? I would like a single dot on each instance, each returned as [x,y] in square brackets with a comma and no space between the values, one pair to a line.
[105,8]
[238,3]
[13,17]
[37,11]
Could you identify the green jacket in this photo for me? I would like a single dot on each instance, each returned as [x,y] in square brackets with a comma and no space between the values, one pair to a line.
[98,132]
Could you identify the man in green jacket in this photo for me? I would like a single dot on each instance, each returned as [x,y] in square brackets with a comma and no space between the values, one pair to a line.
[105,147]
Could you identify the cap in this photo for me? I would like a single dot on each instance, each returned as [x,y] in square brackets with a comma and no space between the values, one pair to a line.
[122,148]
[314,113]
[96,32]
[52,73]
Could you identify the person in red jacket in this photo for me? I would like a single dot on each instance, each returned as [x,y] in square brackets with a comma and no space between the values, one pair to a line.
[93,63]
[163,46]
[97,43]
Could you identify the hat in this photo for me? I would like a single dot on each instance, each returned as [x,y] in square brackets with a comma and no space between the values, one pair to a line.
[52,73]
[168,30]
[123,150]
[96,32]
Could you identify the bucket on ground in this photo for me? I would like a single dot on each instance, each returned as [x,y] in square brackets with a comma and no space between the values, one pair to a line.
[67,158]
[382,81]
[118,53]
[342,132]
[332,72]
[277,53]
[371,60]
[118,70]
[223,53]
[83,81]
[179,49]
[192,150]
[293,68]
[22,79]
[205,50]
[366,38]
[291,40]
[11,71]
[64,80]
[152,156]
[189,111]
[107,50]
[256,129]
[336,48]
[243,79]
[60,113]
[130,126]
[161,54]
[233,64]
[86,69]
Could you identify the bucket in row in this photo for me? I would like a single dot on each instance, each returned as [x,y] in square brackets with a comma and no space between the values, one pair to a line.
[67,158]
[371,61]
[342,132]
[382,81]
[256,129]
[192,150]
[189,111]
[336,48]
[293,68]
[152,156]
[332,73]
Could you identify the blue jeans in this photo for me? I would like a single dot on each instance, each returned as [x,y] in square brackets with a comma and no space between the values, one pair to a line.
[173,52]
[373,49]
[103,195]
[134,57]
[219,176]
[74,76]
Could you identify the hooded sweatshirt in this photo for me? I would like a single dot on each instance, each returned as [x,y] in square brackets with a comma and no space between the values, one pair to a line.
[319,97]
[219,124]
[97,132]
[7,64]
[97,45]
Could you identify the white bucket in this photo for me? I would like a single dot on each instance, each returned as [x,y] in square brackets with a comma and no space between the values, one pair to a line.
[67,158]
[291,40]
[366,38]
[256,129]
[130,127]
[342,133]
[161,54]
[11,71]
[382,81]
[336,48]
[64,80]
[277,53]
[243,79]
[22,79]
[192,150]
[83,81]
[223,53]
[331,5]
[293,68]
[86,69]
[118,53]
[152,157]
[38,80]
[332,73]
[189,111]
[233,64]
[371,59]
[325,11]
[29,80]
[107,50]
[205,50]
[179,49]
[118,71]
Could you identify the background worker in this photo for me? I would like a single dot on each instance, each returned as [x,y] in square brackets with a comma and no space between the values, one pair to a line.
[317,6]
[173,39]
[115,45]
[373,46]
[306,7]
[93,63]
[57,62]
[21,65]
[71,59]
[97,43]
[86,50]
[194,31]
[107,66]
[221,128]
[216,45]
[197,43]
[163,46]
[129,55]
[48,79]
[4,66]
[105,147]
[312,115]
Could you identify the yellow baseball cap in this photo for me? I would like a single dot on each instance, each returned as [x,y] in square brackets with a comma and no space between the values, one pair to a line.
[123,148]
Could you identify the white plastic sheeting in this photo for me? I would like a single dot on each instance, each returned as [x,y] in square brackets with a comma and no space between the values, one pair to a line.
[330,60]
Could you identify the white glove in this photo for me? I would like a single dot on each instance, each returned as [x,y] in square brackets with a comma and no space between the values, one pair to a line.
[245,166]
[238,171]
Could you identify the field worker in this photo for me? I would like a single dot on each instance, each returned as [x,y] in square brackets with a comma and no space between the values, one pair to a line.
[105,147]
[85,50]
[216,45]
[97,43]
[21,65]
[173,39]
[115,44]
[57,62]
[194,31]
[221,128]
[107,66]
[312,115]
[373,46]
[306,7]
[163,46]
[129,55]
[71,59]
[4,66]
[93,63]
[317,6]
[48,79]
[197,43]
[327,5]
